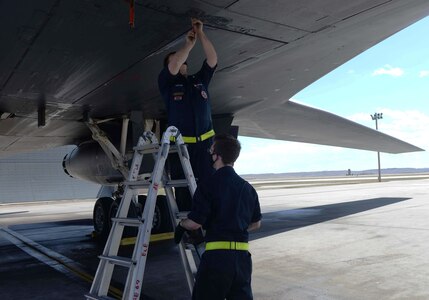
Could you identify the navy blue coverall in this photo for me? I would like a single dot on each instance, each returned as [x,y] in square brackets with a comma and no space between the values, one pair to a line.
[187,101]
[225,205]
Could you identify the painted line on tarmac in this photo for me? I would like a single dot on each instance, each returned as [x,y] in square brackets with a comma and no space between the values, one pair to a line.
[51,258]
[153,238]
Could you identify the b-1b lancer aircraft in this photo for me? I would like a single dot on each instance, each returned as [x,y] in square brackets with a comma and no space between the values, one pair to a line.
[63,63]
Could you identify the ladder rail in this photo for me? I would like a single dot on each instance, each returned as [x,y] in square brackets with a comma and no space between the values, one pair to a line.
[189,269]
[103,275]
[134,282]
[114,240]
[186,164]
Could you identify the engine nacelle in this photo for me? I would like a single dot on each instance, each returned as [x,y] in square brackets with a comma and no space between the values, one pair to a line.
[89,162]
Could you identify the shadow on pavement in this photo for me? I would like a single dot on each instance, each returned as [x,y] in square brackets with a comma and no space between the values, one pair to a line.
[285,220]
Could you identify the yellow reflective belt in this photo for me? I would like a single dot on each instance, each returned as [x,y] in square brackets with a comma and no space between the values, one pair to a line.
[193,139]
[227,245]
[189,139]
[207,135]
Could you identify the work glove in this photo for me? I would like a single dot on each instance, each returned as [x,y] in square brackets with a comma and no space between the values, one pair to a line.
[195,237]
[178,233]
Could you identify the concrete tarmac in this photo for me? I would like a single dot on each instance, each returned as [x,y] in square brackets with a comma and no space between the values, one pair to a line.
[366,241]
[352,241]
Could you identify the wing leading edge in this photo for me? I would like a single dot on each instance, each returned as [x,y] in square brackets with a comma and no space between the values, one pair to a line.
[300,123]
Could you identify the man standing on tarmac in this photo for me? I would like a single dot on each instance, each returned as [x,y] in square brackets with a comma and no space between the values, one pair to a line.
[188,106]
[226,206]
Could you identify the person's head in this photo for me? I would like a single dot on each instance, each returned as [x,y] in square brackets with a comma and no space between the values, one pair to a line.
[183,68]
[225,150]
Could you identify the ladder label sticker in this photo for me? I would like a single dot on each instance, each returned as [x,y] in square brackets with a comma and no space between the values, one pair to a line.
[135,171]
[155,186]
[137,288]
[144,252]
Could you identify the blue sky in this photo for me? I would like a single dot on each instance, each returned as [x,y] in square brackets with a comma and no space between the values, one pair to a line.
[391,78]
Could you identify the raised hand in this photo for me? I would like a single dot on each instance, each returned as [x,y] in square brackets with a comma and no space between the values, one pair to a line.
[191,38]
[197,26]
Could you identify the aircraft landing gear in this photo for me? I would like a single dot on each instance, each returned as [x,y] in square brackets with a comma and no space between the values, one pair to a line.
[161,218]
[101,217]
[105,209]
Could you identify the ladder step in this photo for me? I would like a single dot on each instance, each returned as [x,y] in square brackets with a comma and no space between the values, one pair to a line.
[95,297]
[140,184]
[173,149]
[128,222]
[118,260]
[151,148]
[177,183]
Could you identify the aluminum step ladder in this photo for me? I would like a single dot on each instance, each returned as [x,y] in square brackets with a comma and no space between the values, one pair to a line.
[147,144]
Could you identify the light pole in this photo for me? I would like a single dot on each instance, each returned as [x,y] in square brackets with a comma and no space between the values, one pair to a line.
[375,117]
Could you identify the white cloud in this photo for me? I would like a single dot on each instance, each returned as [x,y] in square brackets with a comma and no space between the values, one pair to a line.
[407,125]
[424,73]
[388,70]
[274,156]
[362,118]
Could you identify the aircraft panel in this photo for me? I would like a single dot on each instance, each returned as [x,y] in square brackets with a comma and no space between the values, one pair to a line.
[308,15]
[23,134]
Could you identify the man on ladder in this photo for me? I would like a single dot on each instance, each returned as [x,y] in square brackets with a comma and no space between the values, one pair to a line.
[226,206]
[188,106]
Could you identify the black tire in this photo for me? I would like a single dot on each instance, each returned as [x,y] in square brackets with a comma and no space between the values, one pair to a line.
[113,210]
[161,218]
[132,213]
[101,217]
[165,223]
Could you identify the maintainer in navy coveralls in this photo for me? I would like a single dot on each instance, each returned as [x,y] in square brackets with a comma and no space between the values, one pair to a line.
[187,101]
[227,207]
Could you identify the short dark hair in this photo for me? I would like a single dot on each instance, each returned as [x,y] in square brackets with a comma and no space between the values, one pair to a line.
[167,57]
[226,146]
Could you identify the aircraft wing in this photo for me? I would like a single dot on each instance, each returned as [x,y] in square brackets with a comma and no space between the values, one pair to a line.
[291,121]
[61,60]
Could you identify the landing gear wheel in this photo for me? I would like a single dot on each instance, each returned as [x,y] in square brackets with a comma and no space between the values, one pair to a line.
[161,218]
[132,213]
[101,217]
